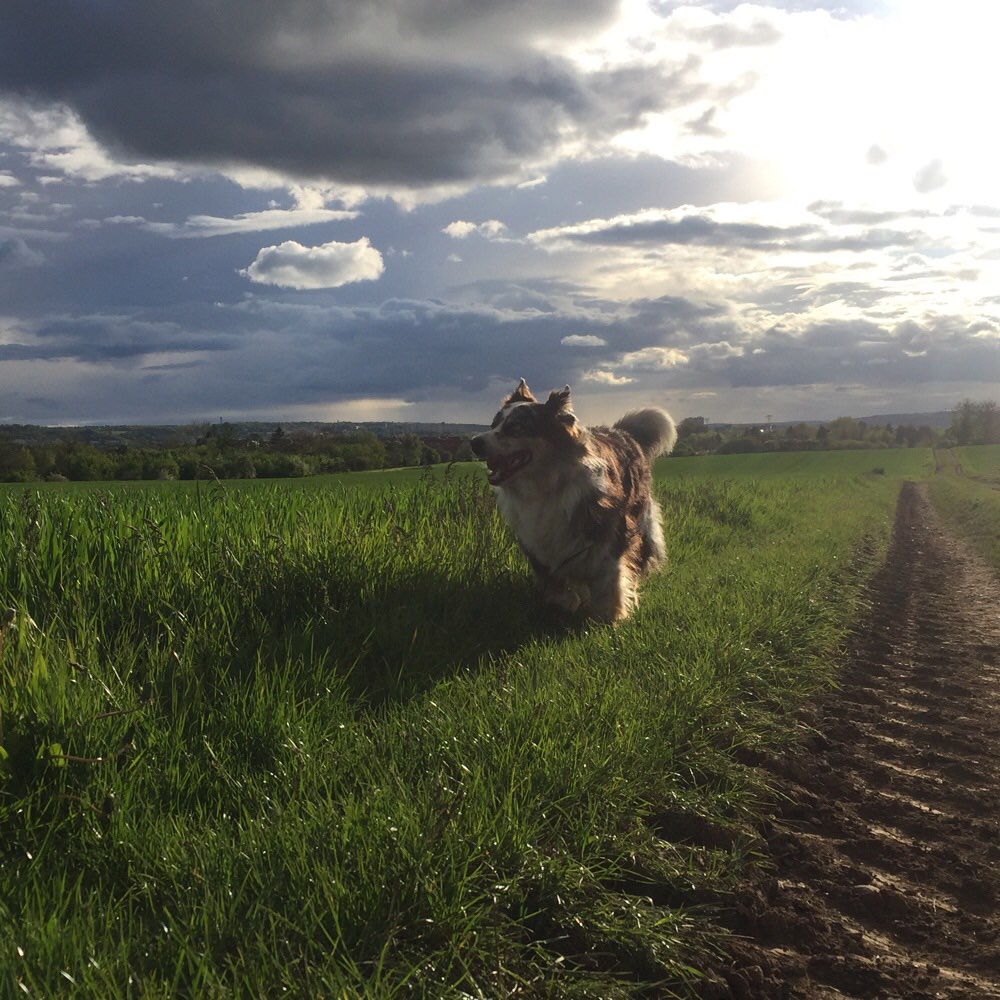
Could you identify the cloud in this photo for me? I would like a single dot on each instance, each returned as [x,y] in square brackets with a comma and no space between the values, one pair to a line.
[653,359]
[491,229]
[15,252]
[583,340]
[764,253]
[703,124]
[659,227]
[108,338]
[56,139]
[876,155]
[930,177]
[837,8]
[702,228]
[246,222]
[605,377]
[158,363]
[400,94]
[292,265]
[731,34]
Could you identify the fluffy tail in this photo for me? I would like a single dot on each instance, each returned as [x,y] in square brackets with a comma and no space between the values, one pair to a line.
[653,430]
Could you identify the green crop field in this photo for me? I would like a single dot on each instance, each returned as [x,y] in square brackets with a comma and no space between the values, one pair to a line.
[799,464]
[982,461]
[319,739]
[966,491]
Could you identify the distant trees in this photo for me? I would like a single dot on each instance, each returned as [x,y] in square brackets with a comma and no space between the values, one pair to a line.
[227,451]
[217,451]
[975,423]
[696,437]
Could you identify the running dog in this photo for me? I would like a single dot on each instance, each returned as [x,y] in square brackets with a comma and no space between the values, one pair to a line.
[579,499]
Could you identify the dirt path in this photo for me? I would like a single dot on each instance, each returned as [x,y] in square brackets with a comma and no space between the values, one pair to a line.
[886,843]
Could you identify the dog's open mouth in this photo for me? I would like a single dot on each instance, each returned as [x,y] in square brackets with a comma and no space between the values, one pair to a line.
[499,468]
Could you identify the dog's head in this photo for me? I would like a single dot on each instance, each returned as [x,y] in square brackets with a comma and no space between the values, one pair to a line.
[525,431]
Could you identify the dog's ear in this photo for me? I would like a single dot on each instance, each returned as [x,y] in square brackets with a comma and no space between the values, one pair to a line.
[558,406]
[521,394]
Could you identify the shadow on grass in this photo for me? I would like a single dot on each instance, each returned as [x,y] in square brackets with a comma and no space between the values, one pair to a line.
[389,642]
[422,634]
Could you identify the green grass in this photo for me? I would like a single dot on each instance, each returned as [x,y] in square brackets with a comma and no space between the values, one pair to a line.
[376,479]
[905,462]
[311,740]
[967,494]
[981,461]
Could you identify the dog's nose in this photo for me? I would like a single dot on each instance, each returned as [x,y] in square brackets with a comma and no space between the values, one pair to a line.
[478,447]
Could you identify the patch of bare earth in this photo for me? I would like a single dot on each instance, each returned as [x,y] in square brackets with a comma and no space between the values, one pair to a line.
[884,849]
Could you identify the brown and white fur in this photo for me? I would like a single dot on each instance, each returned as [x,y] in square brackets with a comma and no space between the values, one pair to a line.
[579,500]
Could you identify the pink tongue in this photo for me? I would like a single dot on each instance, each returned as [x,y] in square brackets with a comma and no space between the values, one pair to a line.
[502,466]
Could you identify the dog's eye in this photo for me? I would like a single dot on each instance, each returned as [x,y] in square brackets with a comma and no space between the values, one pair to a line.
[517,426]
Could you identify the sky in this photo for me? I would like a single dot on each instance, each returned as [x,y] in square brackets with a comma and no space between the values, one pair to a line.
[395,209]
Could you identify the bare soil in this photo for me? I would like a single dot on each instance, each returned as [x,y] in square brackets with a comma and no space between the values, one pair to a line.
[883,874]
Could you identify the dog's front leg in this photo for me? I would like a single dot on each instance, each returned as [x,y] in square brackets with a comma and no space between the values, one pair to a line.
[569,595]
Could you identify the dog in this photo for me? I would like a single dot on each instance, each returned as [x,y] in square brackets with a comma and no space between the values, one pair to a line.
[579,500]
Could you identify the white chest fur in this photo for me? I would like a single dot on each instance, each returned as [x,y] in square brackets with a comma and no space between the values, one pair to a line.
[541,515]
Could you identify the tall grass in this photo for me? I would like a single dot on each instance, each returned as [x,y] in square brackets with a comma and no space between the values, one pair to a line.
[967,492]
[324,742]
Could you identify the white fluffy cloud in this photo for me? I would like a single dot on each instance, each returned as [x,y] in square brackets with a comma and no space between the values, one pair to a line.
[292,265]
[603,377]
[583,340]
[491,229]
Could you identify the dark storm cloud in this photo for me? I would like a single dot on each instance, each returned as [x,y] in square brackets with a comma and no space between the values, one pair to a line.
[101,338]
[678,320]
[15,253]
[909,353]
[424,350]
[395,349]
[406,349]
[393,94]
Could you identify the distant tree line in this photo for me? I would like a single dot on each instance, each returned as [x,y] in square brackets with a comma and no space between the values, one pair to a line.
[971,423]
[975,423]
[697,438]
[221,451]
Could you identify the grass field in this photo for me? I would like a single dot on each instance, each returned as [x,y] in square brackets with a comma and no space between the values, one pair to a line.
[377,479]
[982,462]
[310,739]
[796,465]
[966,490]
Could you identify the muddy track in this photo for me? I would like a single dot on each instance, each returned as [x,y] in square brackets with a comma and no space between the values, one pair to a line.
[883,853]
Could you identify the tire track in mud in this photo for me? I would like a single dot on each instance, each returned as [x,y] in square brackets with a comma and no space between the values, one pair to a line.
[884,849]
